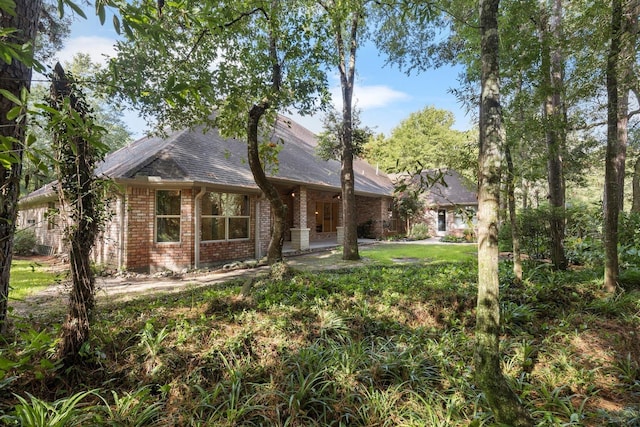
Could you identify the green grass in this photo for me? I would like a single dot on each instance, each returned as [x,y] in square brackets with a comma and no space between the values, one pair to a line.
[406,253]
[28,277]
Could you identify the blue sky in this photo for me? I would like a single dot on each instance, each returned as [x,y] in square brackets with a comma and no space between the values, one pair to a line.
[384,94]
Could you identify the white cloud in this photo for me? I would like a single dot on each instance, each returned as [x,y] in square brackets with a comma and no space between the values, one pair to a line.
[96,47]
[368,97]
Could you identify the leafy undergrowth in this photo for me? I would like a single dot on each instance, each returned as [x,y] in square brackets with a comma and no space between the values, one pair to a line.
[374,346]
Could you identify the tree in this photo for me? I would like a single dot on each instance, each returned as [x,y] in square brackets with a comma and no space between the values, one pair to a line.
[555,125]
[346,23]
[77,145]
[504,403]
[425,138]
[37,169]
[330,140]
[231,65]
[14,87]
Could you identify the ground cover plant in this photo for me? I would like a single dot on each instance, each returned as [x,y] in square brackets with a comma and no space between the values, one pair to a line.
[376,345]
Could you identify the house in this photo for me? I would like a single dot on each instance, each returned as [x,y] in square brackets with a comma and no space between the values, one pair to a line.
[188,200]
[450,202]
[451,208]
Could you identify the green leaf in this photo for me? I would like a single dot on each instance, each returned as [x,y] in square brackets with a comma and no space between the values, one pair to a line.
[11,97]
[101,12]
[14,113]
[8,6]
[75,8]
[116,24]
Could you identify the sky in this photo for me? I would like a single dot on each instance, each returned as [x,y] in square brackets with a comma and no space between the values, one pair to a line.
[384,95]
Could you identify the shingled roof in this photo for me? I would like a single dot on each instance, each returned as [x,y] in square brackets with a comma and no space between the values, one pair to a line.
[206,158]
[456,191]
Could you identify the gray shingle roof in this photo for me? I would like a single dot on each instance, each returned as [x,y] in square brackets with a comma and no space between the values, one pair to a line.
[208,158]
[457,191]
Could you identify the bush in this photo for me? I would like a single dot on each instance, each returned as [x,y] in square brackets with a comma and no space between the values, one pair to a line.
[24,241]
[365,230]
[419,232]
[630,279]
[450,238]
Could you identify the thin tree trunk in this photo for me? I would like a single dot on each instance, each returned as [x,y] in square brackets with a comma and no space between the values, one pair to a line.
[635,206]
[16,76]
[555,132]
[278,208]
[76,189]
[504,403]
[611,180]
[515,229]
[347,178]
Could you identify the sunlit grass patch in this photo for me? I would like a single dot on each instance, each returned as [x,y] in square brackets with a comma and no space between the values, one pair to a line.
[393,253]
[28,277]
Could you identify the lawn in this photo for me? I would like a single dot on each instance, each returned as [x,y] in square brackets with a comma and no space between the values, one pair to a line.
[379,344]
[392,253]
[30,276]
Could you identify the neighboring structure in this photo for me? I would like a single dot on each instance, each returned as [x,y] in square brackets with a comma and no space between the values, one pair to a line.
[451,208]
[189,200]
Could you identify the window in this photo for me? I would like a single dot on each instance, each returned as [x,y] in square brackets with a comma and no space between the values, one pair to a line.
[442,220]
[326,217]
[168,216]
[225,216]
[50,214]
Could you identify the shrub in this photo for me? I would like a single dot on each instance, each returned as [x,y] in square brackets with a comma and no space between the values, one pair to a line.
[24,241]
[630,279]
[419,232]
[450,238]
[365,230]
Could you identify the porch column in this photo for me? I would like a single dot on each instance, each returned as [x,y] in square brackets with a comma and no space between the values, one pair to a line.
[300,232]
[340,235]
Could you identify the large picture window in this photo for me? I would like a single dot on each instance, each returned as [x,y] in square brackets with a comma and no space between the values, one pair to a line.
[167,216]
[225,216]
[326,217]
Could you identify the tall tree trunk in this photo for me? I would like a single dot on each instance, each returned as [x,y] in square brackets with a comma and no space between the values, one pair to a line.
[611,179]
[75,166]
[515,229]
[504,403]
[16,76]
[626,65]
[555,117]
[347,178]
[635,206]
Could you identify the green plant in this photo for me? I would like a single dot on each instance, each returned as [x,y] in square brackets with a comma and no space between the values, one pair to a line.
[419,231]
[630,279]
[24,241]
[136,409]
[65,412]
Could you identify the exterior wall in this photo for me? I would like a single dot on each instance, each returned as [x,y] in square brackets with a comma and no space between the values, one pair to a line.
[215,252]
[314,196]
[264,224]
[143,252]
[431,219]
[49,241]
[373,214]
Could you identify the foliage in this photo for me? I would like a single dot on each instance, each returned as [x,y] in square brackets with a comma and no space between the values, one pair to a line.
[365,230]
[329,140]
[424,138]
[24,241]
[629,239]
[382,344]
[419,232]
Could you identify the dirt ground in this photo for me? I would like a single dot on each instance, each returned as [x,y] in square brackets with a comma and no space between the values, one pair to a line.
[125,287]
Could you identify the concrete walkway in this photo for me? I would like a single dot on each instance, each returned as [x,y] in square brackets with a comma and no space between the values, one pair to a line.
[321,256]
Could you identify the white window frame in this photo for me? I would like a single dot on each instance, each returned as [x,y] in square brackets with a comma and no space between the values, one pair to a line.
[157,217]
[227,218]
